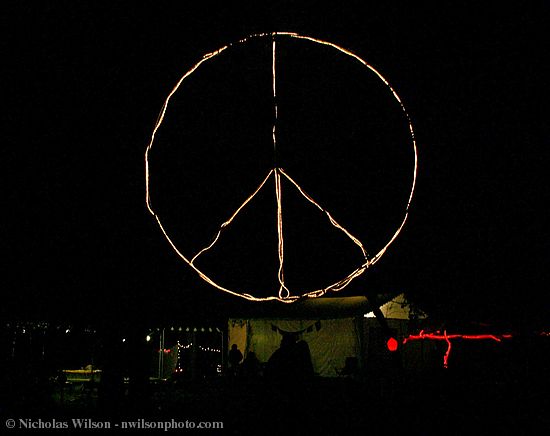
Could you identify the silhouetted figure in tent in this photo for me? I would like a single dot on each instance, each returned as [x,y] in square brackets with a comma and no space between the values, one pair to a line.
[292,361]
[304,366]
[289,369]
[251,366]
[281,363]
[235,357]
[351,368]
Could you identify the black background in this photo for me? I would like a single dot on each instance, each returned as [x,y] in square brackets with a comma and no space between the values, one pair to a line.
[82,85]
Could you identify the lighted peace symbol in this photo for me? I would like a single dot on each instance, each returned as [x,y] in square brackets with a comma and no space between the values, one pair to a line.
[284,293]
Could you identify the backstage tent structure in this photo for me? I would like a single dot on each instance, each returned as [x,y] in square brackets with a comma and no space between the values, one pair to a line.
[398,308]
[402,318]
[337,330]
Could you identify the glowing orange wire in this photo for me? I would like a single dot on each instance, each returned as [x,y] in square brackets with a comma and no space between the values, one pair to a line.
[284,293]
[230,220]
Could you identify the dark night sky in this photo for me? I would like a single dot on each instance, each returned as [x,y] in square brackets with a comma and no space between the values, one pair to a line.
[82,86]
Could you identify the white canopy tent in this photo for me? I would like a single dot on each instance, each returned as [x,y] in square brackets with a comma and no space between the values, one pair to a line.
[330,326]
[336,329]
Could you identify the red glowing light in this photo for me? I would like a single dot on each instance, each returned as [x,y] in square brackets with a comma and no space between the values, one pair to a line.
[392,344]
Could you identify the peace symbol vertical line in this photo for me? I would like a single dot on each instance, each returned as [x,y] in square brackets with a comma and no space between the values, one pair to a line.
[274,86]
[283,290]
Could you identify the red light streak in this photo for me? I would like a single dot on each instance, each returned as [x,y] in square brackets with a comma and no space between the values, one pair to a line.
[446,337]
[446,356]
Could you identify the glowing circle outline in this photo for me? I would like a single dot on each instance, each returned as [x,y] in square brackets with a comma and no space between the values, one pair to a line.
[337,286]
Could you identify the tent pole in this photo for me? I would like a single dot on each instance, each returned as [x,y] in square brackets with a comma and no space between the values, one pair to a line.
[161,354]
[375,306]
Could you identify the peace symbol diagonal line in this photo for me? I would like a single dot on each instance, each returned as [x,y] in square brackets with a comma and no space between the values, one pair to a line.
[284,291]
[331,219]
[226,223]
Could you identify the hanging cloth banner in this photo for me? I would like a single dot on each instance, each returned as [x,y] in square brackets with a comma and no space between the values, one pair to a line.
[316,325]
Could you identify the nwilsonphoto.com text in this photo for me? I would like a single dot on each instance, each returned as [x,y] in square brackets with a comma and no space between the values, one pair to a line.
[96,424]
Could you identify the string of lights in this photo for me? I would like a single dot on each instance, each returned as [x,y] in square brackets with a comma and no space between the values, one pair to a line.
[284,293]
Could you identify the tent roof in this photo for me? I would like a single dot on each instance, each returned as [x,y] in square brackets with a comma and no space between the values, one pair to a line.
[313,308]
[397,308]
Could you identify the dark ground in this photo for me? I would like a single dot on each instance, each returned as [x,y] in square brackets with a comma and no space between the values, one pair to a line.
[439,402]
[488,388]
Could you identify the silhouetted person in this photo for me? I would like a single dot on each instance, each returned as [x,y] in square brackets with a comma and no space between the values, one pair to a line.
[111,389]
[138,356]
[283,363]
[61,380]
[251,366]
[235,357]
[351,367]
[304,366]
